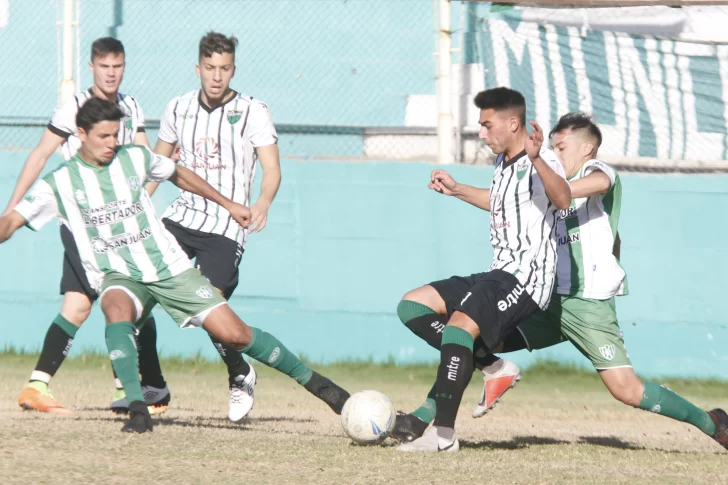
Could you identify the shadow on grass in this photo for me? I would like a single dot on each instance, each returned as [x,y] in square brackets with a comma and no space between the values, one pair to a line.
[609,442]
[520,442]
[517,442]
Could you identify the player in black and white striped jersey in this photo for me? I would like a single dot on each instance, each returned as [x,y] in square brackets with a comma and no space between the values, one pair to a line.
[221,135]
[462,315]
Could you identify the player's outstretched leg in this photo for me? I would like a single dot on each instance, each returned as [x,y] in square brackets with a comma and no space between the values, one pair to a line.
[223,324]
[56,345]
[241,381]
[154,386]
[626,387]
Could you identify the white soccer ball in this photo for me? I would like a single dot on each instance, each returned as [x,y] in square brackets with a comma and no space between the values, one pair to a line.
[368,417]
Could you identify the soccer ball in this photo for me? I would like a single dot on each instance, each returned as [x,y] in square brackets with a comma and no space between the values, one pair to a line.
[368,417]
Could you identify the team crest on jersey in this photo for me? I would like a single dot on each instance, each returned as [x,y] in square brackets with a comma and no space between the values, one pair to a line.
[607,351]
[134,183]
[206,148]
[81,196]
[204,292]
[521,168]
[234,116]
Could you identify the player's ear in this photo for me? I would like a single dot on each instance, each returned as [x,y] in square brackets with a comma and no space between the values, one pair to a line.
[514,124]
[587,148]
[197,69]
[82,135]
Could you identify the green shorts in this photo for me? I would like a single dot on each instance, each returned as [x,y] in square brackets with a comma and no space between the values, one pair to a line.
[187,297]
[591,325]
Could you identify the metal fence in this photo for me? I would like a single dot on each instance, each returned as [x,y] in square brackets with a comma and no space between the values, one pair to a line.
[357,79]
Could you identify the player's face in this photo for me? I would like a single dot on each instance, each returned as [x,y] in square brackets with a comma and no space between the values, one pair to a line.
[108,71]
[570,147]
[497,129]
[215,74]
[99,143]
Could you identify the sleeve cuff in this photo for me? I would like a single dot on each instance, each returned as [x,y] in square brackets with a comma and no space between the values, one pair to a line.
[57,131]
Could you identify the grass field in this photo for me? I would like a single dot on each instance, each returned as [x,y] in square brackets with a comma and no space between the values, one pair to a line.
[558,426]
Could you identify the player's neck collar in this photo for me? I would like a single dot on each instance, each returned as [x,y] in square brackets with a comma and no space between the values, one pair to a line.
[507,163]
[207,108]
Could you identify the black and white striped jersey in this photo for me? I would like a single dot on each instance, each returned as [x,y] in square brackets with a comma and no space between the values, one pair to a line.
[63,121]
[523,223]
[219,145]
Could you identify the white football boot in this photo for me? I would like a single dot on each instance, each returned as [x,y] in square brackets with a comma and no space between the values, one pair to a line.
[242,396]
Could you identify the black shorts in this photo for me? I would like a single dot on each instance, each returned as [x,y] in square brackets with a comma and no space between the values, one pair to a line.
[73,278]
[216,256]
[496,301]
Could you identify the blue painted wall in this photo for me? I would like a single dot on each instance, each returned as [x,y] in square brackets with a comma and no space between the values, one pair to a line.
[346,240]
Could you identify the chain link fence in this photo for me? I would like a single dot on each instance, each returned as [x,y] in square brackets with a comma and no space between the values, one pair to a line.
[336,74]
[355,79]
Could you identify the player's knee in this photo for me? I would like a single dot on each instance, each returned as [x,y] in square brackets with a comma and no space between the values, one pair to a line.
[424,295]
[463,321]
[76,307]
[628,392]
[239,337]
[118,307]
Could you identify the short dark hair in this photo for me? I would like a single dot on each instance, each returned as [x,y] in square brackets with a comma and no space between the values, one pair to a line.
[501,99]
[106,45]
[217,43]
[578,121]
[96,110]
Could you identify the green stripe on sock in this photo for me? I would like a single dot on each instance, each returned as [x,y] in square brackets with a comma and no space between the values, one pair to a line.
[65,325]
[458,336]
[407,310]
[268,350]
[426,411]
[661,400]
[124,358]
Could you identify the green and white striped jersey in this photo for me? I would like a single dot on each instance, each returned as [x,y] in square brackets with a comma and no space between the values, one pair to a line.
[110,215]
[586,232]
[523,223]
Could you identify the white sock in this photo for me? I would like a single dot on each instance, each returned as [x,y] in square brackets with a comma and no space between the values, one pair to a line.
[445,436]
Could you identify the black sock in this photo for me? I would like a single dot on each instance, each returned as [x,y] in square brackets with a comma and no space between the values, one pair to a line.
[429,328]
[453,375]
[149,367]
[236,364]
[56,345]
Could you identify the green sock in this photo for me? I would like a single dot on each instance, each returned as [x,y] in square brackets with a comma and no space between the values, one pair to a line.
[426,411]
[407,310]
[124,358]
[267,349]
[65,325]
[661,400]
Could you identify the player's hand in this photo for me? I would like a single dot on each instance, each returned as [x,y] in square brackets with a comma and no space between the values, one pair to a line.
[259,214]
[534,141]
[240,214]
[442,182]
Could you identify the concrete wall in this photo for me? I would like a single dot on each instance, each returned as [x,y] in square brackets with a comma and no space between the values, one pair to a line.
[346,240]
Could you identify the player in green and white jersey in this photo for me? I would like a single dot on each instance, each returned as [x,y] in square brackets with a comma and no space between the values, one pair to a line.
[108,61]
[582,308]
[133,262]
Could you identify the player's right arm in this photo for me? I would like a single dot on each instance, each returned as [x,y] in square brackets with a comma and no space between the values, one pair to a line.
[35,210]
[441,181]
[34,165]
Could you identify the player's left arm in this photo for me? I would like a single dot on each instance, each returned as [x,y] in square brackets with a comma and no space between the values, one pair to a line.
[552,174]
[161,168]
[264,138]
[271,165]
[140,137]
